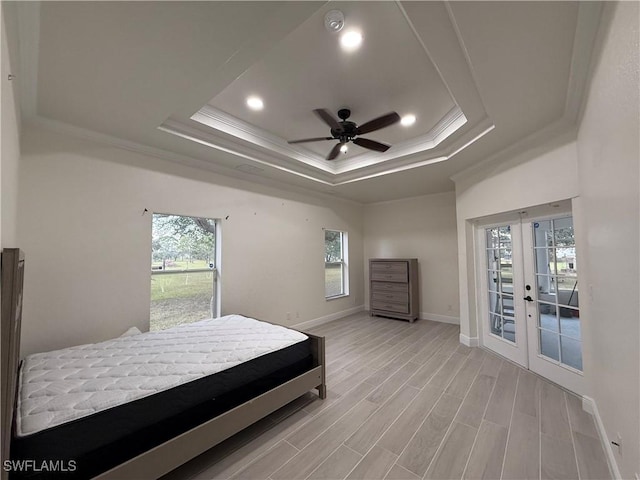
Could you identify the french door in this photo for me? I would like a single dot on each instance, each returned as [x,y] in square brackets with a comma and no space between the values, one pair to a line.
[530,297]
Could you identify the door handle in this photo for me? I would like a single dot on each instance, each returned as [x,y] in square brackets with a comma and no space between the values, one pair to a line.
[528,298]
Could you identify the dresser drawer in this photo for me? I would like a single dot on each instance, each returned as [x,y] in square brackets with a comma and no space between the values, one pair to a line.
[390,307]
[396,297]
[389,277]
[389,287]
[389,267]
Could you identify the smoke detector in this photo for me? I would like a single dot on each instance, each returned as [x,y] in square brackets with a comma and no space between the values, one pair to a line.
[334,21]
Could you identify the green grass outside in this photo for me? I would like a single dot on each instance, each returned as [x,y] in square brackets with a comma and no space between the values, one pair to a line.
[180,298]
[181,285]
[333,280]
[186,297]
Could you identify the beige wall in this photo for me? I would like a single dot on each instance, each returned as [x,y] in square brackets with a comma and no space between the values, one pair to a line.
[88,243]
[534,178]
[423,228]
[600,173]
[609,179]
[10,137]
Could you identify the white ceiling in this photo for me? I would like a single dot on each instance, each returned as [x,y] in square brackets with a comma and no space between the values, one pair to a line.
[172,78]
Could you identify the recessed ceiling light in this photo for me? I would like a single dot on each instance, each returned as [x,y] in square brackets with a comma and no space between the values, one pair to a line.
[408,120]
[255,103]
[344,148]
[351,40]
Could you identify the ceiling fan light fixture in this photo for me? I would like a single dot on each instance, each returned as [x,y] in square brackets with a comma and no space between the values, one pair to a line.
[351,40]
[344,148]
[334,21]
[408,120]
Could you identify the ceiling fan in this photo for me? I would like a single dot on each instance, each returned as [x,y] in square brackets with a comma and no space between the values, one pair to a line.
[345,131]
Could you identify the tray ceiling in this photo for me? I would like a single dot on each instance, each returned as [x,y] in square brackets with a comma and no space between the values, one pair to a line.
[393,70]
[172,78]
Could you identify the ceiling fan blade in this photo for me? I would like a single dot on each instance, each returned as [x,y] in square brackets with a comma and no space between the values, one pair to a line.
[378,123]
[327,118]
[335,151]
[317,139]
[371,144]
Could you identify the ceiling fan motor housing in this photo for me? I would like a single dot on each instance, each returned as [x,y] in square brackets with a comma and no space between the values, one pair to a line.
[346,131]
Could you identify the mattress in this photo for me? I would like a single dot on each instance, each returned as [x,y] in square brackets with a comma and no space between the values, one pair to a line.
[104,403]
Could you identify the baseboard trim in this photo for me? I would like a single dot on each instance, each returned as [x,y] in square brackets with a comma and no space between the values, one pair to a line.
[440,318]
[328,318]
[469,341]
[589,405]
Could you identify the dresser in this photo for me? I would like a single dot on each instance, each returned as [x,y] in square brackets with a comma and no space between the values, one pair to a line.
[393,287]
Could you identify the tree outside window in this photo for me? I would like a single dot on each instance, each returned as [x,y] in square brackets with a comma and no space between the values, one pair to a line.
[335,263]
[183,270]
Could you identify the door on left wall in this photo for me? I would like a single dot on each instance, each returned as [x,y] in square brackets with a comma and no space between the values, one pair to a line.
[184,270]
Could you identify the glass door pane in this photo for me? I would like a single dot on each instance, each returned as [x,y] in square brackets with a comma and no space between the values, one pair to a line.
[500,282]
[556,275]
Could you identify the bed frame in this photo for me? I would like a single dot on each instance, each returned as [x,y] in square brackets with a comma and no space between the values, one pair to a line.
[172,453]
[11,314]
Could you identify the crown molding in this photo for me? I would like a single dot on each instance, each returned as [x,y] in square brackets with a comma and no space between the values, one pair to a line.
[447,126]
[418,160]
[268,159]
[561,130]
[565,128]
[219,121]
[187,161]
[455,131]
[186,132]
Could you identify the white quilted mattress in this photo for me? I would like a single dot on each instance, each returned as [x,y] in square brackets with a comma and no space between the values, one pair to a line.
[64,385]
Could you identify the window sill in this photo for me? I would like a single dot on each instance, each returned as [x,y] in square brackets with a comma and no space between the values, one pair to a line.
[336,297]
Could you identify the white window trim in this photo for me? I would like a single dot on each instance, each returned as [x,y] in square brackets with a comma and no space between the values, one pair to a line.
[216,310]
[344,262]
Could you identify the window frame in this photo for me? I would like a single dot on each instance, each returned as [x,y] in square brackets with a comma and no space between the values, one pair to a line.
[343,262]
[216,290]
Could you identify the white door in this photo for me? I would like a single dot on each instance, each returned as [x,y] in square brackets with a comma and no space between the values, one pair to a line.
[504,325]
[552,301]
[530,299]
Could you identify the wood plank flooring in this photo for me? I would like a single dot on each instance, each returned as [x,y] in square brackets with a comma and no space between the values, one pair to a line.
[405,402]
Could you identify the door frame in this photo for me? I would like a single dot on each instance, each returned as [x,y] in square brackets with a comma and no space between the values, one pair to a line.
[519,353]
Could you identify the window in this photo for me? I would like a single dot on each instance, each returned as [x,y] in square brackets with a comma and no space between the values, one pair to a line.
[336,278]
[184,285]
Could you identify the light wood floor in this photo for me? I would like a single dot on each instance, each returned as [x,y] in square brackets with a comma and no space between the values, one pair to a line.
[408,401]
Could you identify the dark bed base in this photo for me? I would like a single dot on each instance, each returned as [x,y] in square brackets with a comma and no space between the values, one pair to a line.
[258,400]
[106,439]
[182,448]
